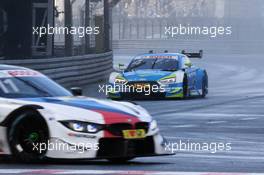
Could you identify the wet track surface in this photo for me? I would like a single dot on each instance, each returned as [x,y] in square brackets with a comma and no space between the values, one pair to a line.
[233,113]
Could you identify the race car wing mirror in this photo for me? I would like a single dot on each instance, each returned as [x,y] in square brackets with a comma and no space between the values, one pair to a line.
[76,91]
[121,67]
[193,55]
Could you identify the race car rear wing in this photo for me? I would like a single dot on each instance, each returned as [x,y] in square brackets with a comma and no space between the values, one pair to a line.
[193,55]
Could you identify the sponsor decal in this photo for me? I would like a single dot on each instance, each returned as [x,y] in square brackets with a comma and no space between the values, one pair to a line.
[160,57]
[19,73]
[23,73]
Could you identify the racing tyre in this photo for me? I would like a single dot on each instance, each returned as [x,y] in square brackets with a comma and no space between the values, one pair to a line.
[185,87]
[6,159]
[28,133]
[205,86]
[120,160]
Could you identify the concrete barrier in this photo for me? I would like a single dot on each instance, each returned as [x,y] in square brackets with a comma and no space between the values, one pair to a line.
[71,71]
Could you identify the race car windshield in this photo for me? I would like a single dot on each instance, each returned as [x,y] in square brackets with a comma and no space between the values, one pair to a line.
[153,63]
[30,87]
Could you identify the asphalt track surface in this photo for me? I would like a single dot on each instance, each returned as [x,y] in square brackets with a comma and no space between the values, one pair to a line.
[233,113]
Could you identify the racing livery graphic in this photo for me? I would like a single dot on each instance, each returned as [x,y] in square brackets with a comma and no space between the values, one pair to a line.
[40,119]
[161,75]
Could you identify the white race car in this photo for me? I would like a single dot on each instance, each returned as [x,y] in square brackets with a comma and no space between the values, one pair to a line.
[40,119]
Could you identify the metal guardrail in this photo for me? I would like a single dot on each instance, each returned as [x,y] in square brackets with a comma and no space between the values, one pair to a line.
[209,46]
[71,71]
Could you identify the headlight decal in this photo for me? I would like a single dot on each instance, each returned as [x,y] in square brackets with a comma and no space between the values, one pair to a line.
[168,80]
[120,80]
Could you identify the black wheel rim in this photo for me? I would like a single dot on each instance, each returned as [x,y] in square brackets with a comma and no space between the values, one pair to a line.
[29,135]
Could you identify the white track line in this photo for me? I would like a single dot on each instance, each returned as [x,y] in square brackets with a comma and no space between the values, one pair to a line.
[216,122]
[111,172]
[249,118]
[216,115]
[184,126]
[217,156]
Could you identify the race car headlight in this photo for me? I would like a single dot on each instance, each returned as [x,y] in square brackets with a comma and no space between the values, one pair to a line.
[167,80]
[92,128]
[153,125]
[82,126]
[120,80]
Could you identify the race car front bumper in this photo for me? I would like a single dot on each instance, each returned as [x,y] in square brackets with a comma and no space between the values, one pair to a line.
[150,146]
[115,148]
[67,144]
